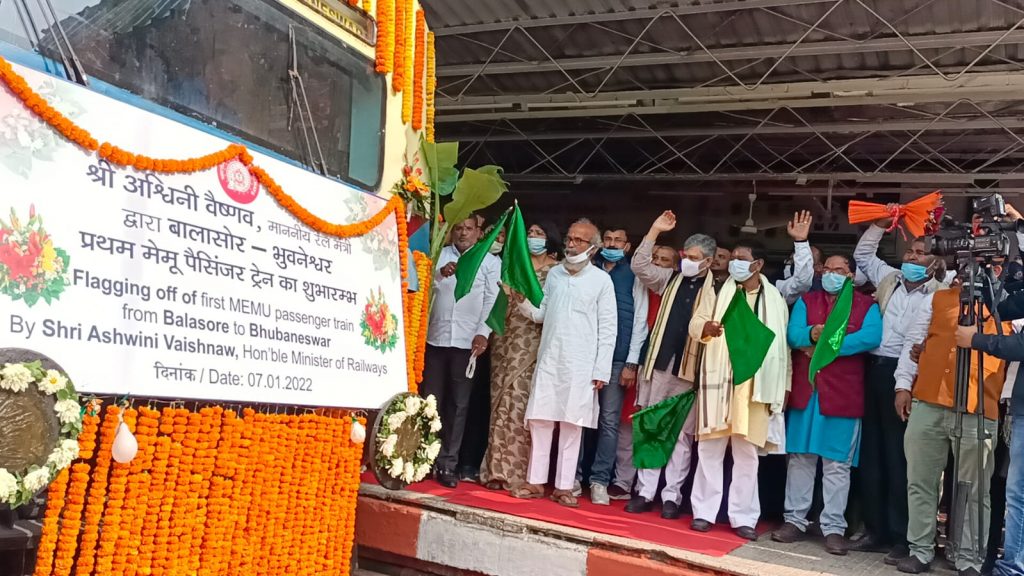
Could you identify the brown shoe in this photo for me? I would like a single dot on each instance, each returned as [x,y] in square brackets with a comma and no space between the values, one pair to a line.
[835,544]
[788,534]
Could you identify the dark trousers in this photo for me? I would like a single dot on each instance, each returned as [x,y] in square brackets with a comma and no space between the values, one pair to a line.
[444,376]
[883,465]
[478,421]
[997,492]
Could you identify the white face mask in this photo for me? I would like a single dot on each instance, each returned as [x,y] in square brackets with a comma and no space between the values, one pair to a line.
[740,270]
[579,258]
[688,268]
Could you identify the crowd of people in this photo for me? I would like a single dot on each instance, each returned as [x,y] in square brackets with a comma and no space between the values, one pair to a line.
[620,329]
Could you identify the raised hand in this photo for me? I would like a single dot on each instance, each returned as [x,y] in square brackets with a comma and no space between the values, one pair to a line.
[800,226]
[887,222]
[665,222]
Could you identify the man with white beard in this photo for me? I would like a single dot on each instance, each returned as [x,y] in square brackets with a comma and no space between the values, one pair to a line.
[573,363]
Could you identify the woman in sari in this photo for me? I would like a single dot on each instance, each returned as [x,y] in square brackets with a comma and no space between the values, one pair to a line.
[513,359]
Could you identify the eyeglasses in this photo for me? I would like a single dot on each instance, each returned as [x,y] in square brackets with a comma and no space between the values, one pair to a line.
[576,241]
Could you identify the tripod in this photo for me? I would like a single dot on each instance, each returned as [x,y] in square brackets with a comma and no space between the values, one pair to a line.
[979,291]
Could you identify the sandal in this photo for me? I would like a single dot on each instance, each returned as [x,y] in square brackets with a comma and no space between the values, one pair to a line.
[565,498]
[528,492]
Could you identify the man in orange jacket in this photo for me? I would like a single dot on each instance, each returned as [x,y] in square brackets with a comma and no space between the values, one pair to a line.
[925,392]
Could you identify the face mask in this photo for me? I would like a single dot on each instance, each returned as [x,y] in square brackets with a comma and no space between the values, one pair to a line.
[832,282]
[612,254]
[537,246]
[496,247]
[688,268]
[740,270]
[787,272]
[578,258]
[913,272]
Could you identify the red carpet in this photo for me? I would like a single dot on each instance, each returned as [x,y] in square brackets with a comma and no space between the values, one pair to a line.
[612,520]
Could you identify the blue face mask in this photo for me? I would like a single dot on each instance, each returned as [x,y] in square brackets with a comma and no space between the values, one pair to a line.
[914,272]
[832,282]
[612,254]
[537,246]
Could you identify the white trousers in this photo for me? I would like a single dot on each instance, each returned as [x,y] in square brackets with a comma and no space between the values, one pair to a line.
[664,385]
[625,473]
[706,499]
[569,440]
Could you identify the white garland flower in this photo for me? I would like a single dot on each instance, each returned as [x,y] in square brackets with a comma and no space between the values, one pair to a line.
[59,459]
[15,377]
[430,407]
[37,479]
[409,474]
[433,449]
[421,471]
[435,425]
[397,467]
[52,383]
[8,486]
[68,411]
[69,448]
[413,404]
[395,420]
[388,448]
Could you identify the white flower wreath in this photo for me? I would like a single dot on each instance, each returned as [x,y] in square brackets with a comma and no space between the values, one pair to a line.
[18,487]
[407,420]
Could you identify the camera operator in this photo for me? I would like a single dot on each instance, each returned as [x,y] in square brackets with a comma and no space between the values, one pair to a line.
[1009,347]
[927,403]
[883,466]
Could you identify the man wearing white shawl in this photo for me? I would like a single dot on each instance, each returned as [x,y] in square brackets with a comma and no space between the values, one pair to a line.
[737,415]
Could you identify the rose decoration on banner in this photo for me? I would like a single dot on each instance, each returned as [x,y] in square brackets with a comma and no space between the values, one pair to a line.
[31,267]
[379,324]
[406,440]
[18,486]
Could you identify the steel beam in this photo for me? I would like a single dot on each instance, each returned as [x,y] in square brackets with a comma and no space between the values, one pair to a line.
[695,56]
[830,128]
[618,16]
[936,178]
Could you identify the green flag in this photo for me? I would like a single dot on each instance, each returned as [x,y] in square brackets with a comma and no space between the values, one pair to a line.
[833,333]
[516,267]
[516,264]
[746,336]
[496,320]
[469,262]
[656,430]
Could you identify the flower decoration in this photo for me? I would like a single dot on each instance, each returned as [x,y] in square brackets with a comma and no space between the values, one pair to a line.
[385,51]
[31,268]
[413,190]
[407,441]
[19,486]
[431,85]
[379,323]
[419,70]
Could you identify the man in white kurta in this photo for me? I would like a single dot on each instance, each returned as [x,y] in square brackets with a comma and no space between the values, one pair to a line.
[573,363]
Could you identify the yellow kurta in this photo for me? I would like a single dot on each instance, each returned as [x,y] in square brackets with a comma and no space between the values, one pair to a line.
[746,417]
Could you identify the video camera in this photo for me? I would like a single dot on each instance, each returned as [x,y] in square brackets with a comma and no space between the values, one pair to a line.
[983,238]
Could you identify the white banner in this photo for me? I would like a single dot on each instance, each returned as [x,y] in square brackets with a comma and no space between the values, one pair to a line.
[188,286]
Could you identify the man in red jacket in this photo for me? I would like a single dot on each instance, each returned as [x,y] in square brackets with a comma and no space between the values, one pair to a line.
[824,419]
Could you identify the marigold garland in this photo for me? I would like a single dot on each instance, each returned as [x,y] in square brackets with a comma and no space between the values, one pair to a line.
[51,522]
[408,60]
[398,79]
[424,269]
[385,49]
[261,494]
[367,6]
[419,70]
[431,85]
